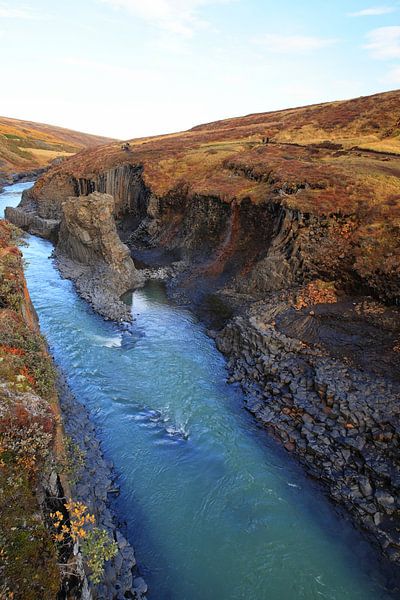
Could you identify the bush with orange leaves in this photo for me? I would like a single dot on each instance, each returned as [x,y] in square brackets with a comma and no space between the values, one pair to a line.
[80,528]
[316,292]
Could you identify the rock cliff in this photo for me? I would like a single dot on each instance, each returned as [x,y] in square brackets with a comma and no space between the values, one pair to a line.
[90,252]
[88,248]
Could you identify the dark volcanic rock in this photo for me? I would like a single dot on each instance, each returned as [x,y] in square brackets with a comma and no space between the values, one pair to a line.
[30,221]
[90,253]
[342,423]
[94,487]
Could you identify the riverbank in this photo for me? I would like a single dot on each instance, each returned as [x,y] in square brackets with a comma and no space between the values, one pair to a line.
[95,484]
[20,177]
[29,438]
[54,463]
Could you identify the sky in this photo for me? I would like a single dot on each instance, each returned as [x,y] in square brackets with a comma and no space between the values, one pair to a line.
[132,68]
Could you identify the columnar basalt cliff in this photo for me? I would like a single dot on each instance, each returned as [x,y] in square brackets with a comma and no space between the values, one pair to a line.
[341,420]
[291,219]
[90,252]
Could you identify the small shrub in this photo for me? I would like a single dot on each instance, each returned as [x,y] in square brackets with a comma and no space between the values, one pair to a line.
[316,292]
[96,545]
[98,548]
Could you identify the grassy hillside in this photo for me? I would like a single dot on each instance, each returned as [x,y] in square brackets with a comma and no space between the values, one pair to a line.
[343,150]
[25,146]
[337,159]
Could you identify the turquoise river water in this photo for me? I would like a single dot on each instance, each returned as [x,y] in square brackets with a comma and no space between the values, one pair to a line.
[215,510]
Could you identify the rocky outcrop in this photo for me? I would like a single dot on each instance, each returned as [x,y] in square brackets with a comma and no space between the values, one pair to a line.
[341,422]
[30,221]
[90,253]
[88,248]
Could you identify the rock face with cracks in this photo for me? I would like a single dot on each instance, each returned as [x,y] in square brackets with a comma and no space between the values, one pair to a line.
[90,252]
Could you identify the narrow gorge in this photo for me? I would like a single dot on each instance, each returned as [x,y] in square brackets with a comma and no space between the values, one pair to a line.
[194,471]
[280,252]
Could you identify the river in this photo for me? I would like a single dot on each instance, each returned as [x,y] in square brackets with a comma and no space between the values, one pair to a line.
[214,508]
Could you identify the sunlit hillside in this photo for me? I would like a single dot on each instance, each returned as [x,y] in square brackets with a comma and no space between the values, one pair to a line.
[25,145]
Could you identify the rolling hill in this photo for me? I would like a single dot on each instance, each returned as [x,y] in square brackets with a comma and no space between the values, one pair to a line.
[26,146]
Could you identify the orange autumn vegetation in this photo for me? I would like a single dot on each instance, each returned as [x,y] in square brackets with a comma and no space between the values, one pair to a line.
[315,144]
[9,350]
[78,522]
[80,527]
[28,558]
[316,292]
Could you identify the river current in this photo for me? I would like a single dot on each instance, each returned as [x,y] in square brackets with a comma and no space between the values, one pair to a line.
[214,508]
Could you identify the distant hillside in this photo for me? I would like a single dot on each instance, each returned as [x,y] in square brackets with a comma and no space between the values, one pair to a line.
[25,146]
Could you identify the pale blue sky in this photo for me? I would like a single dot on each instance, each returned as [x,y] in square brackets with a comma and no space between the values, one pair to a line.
[128,68]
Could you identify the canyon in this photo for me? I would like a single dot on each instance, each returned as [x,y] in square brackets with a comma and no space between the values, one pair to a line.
[282,231]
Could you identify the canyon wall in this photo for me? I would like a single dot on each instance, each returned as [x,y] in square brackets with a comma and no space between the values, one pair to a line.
[290,221]
[299,347]
[260,246]
[31,443]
